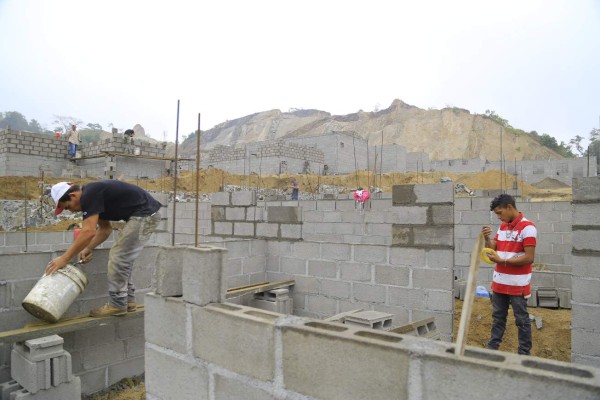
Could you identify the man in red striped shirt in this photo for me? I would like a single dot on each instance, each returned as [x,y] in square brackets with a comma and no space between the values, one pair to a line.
[515,243]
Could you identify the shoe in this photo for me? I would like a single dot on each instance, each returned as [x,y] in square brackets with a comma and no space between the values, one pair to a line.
[107,310]
[131,307]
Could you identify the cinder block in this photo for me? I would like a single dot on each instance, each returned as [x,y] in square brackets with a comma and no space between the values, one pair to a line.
[532,300]
[371,319]
[243,229]
[168,271]
[323,374]
[284,214]
[281,306]
[235,213]
[223,228]
[547,297]
[237,329]
[169,377]
[267,230]
[32,375]
[564,298]
[221,199]
[231,388]
[61,369]
[245,198]
[41,348]
[65,391]
[7,388]
[426,328]
[202,277]
[291,231]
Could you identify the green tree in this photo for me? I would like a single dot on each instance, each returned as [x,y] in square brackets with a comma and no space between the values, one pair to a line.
[14,120]
[576,142]
[66,121]
[491,114]
[548,141]
[35,126]
[94,127]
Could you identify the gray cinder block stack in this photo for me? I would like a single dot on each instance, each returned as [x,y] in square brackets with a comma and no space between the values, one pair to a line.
[41,369]
[276,300]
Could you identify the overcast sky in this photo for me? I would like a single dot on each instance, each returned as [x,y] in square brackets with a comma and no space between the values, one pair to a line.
[536,63]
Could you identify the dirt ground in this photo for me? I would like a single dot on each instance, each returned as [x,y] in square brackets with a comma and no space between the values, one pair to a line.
[553,341]
[212,180]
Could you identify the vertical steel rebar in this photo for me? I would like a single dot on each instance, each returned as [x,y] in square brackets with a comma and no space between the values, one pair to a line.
[197,182]
[175,172]
[26,241]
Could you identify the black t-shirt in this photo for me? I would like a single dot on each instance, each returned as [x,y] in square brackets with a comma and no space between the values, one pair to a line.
[116,200]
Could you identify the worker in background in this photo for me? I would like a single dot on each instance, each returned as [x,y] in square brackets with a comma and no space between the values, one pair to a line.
[74,140]
[515,243]
[102,202]
[295,188]
[361,196]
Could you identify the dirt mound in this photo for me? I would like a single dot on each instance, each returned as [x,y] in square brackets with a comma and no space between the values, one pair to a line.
[549,183]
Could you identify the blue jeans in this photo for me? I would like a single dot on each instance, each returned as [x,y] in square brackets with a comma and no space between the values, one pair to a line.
[72,149]
[123,254]
[500,303]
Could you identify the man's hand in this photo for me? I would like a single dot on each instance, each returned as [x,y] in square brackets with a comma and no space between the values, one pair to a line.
[487,231]
[55,265]
[85,256]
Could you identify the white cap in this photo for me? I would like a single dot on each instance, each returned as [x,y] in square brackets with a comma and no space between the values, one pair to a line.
[57,192]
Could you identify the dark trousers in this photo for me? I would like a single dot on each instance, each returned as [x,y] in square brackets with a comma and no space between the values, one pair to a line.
[500,303]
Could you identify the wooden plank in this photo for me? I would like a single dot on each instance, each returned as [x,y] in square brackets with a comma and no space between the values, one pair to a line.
[465,317]
[247,286]
[41,329]
[260,287]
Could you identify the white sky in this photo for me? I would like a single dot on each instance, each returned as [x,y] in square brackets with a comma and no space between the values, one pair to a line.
[536,63]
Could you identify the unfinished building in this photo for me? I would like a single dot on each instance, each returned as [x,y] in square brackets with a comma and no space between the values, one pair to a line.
[397,260]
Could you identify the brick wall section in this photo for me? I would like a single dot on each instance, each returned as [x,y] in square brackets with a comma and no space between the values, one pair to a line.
[585,333]
[300,358]
[101,356]
[26,154]
[531,171]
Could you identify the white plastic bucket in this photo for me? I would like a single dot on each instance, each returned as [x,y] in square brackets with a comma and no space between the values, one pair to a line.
[53,294]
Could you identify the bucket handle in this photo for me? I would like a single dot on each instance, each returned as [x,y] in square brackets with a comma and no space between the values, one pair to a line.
[80,262]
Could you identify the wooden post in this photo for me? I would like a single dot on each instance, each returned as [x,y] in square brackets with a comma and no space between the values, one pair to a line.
[465,316]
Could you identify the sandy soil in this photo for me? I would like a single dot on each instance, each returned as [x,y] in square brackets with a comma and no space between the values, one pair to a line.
[553,341]
[212,180]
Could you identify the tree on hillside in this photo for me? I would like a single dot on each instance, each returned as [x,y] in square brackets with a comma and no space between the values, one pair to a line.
[13,120]
[576,142]
[491,114]
[94,127]
[65,122]
[594,146]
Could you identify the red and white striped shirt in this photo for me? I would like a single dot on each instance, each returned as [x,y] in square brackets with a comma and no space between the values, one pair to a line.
[511,239]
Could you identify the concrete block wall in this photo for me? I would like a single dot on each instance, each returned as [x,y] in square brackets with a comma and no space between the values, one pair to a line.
[530,171]
[15,164]
[100,356]
[34,144]
[387,158]
[417,161]
[301,358]
[118,144]
[114,167]
[553,258]
[585,333]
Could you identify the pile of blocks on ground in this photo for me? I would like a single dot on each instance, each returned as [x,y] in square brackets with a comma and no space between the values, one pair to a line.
[41,369]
